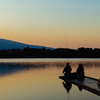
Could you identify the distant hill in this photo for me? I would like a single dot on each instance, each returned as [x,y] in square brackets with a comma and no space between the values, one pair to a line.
[8,44]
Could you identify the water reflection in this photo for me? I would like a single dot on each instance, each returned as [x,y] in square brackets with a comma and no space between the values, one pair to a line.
[39,80]
[80,88]
[68,85]
[9,68]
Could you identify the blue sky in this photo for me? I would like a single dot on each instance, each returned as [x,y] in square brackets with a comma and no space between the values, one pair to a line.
[41,22]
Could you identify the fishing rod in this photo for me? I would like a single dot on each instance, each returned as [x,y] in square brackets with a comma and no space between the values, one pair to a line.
[66,43]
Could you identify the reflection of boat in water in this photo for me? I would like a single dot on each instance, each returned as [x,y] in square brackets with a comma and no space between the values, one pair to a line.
[67,85]
[87,83]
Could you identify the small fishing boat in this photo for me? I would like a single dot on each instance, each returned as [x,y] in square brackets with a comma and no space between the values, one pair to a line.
[99,82]
[87,83]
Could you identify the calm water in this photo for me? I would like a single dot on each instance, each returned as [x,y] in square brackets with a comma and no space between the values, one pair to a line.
[38,79]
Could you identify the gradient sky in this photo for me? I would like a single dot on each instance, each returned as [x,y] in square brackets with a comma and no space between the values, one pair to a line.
[45,22]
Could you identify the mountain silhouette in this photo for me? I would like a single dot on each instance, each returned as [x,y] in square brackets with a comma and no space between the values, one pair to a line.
[9,44]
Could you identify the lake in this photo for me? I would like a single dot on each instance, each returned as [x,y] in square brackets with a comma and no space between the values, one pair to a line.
[38,79]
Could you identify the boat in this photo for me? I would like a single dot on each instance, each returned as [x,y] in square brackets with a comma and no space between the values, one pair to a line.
[87,83]
[99,82]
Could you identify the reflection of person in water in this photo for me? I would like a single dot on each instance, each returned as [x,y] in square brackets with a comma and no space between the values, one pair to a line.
[80,71]
[80,88]
[67,70]
[67,86]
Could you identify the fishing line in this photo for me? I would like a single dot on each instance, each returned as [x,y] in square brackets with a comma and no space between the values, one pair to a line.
[68,96]
[66,43]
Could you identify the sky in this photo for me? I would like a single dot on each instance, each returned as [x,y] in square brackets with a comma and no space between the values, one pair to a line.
[51,23]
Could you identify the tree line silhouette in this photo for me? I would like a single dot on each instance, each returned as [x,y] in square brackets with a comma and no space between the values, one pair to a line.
[47,53]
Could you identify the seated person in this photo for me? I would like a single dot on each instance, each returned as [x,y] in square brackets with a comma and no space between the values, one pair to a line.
[67,70]
[80,71]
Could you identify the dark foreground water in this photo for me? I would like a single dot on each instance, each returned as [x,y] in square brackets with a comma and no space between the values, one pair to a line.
[38,79]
